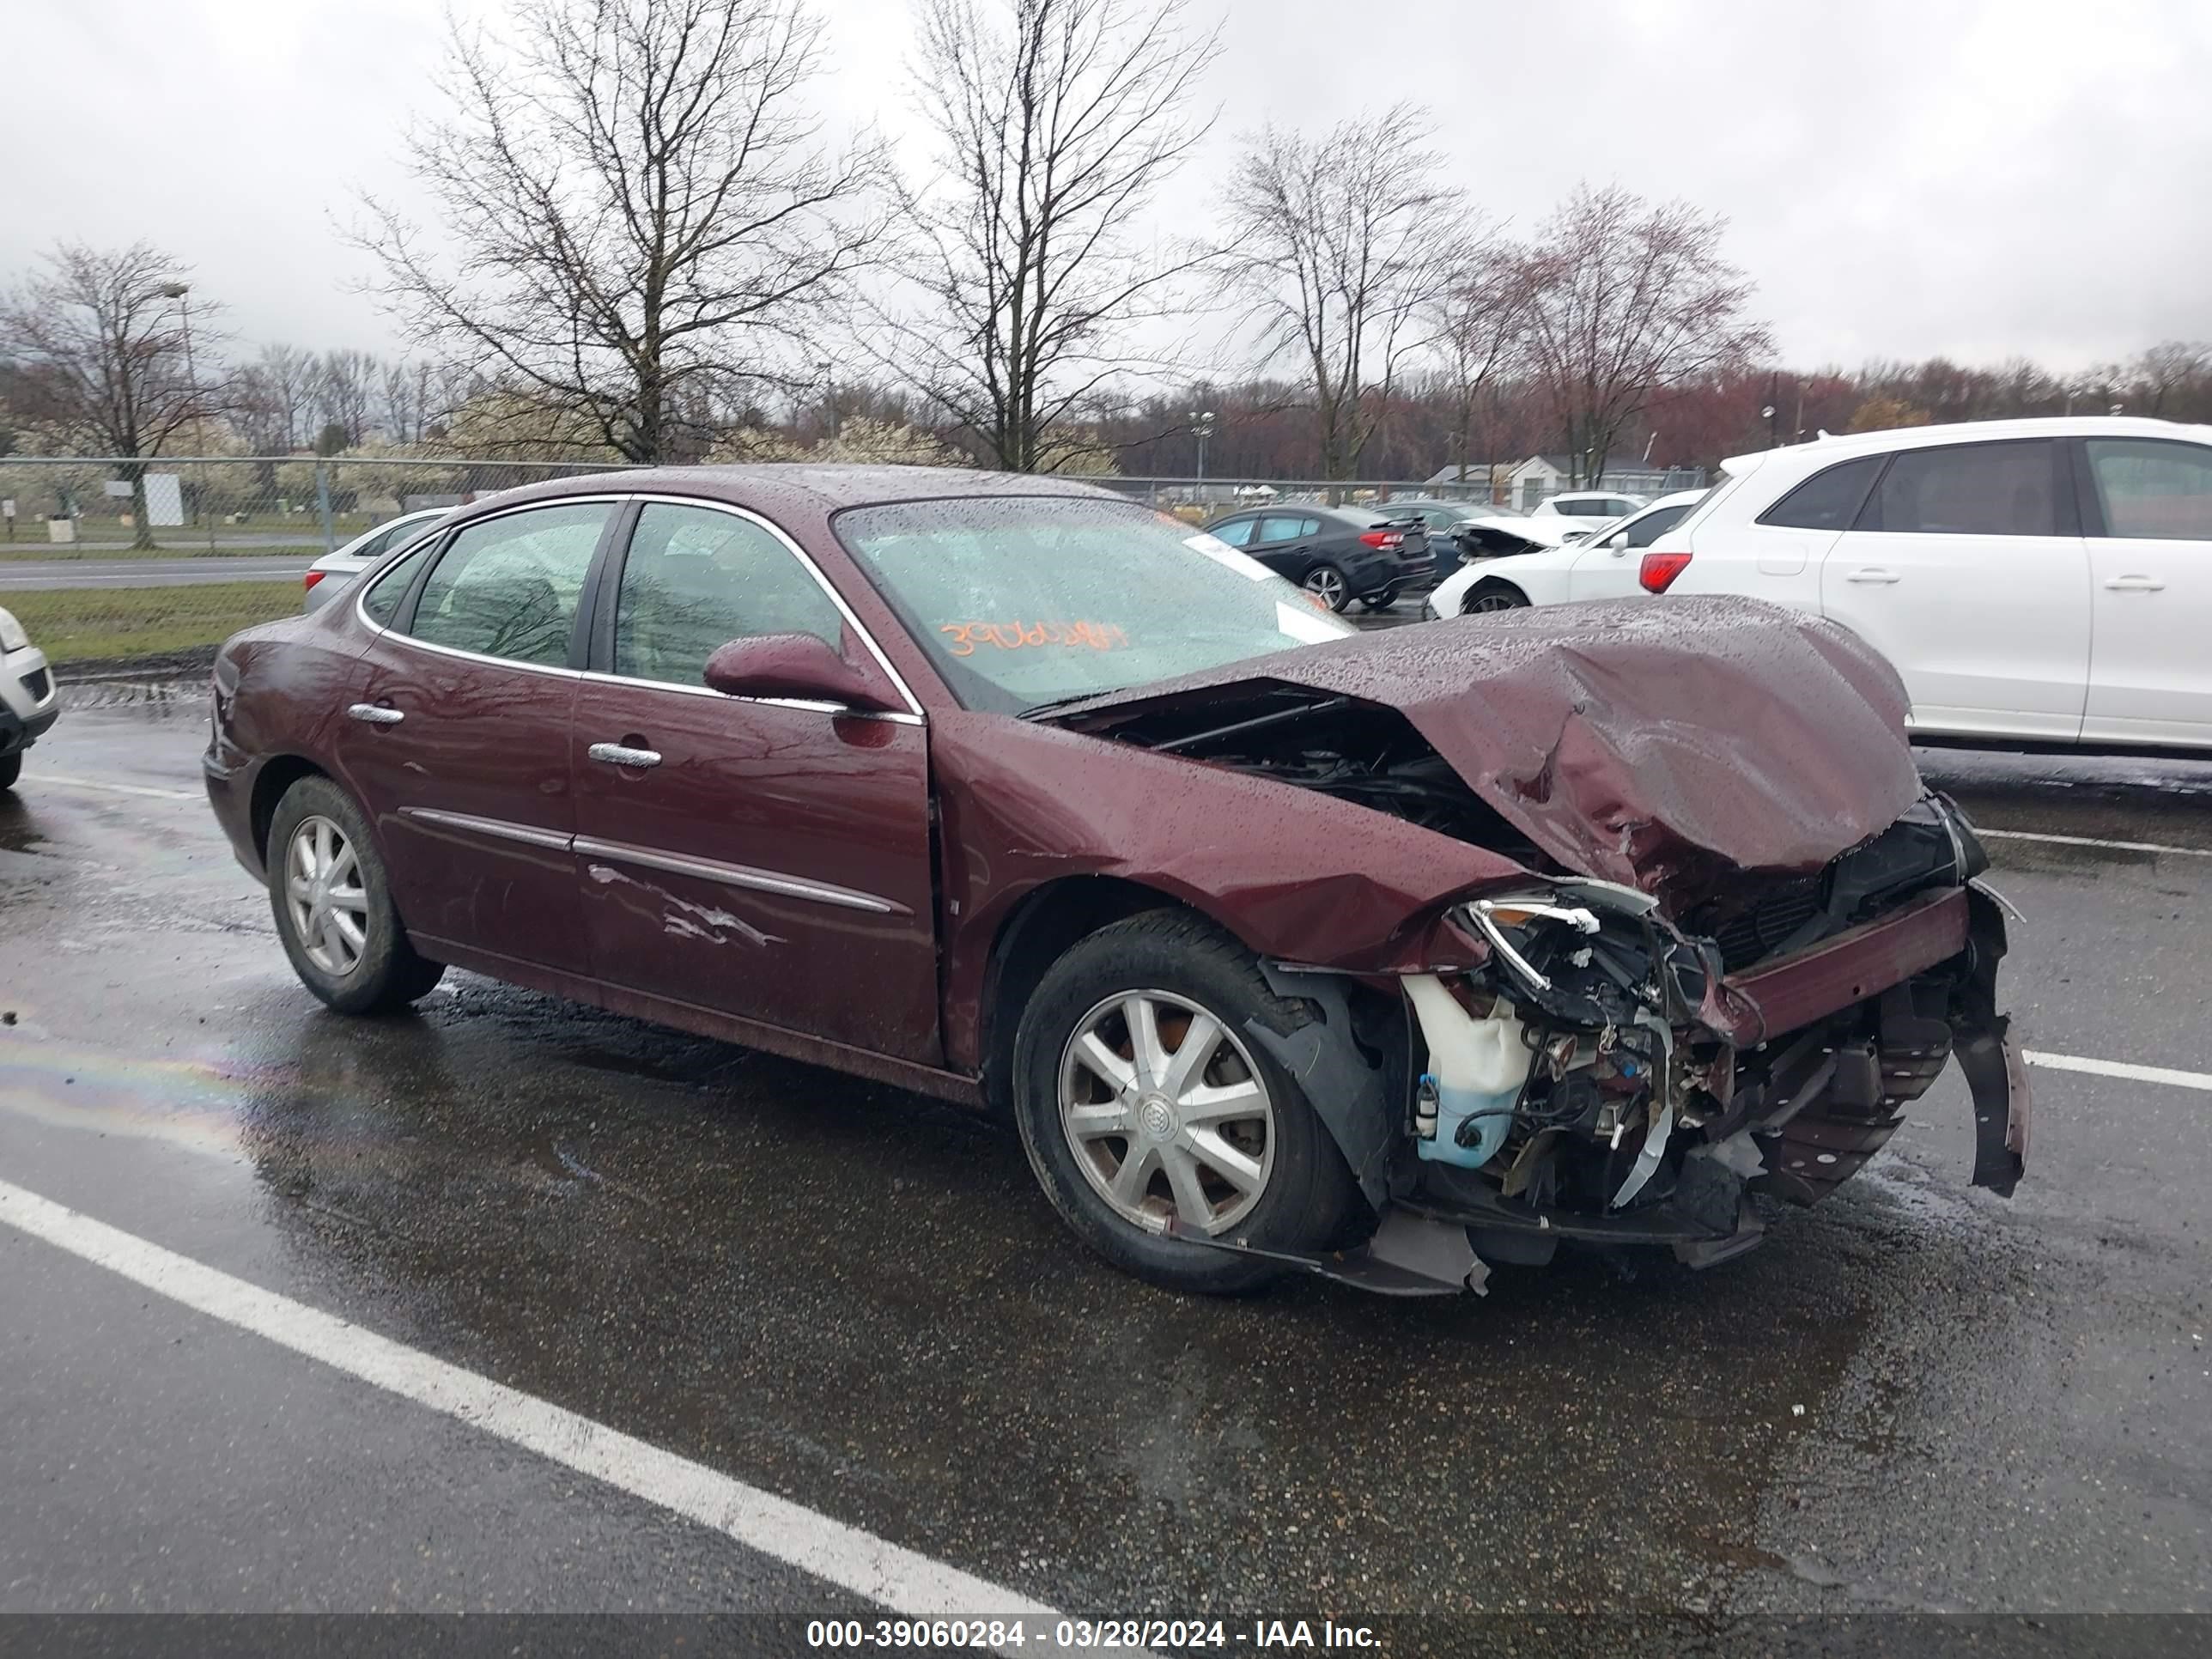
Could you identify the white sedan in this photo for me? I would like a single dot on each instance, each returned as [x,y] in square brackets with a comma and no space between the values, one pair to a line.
[2041,581]
[339,567]
[1604,550]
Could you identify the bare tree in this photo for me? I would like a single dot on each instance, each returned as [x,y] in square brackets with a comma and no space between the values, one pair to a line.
[409,402]
[276,399]
[640,212]
[1336,241]
[1477,316]
[2168,368]
[1058,120]
[104,337]
[1628,298]
[345,385]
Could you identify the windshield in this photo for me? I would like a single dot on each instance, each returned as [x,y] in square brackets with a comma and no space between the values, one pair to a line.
[1026,600]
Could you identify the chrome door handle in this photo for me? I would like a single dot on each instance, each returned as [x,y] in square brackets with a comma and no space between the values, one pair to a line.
[2135,584]
[615,754]
[376,713]
[1871,572]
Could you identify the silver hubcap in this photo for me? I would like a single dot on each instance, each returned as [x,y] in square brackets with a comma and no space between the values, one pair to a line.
[1329,583]
[1487,602]
[1166,1113]
[322,888]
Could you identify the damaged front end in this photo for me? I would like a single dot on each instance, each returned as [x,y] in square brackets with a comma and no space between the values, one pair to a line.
[1607,1076]
[1690,997]
[1604,1076]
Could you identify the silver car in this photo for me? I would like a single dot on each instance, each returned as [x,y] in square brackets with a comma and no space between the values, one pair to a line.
[334,570]
[28,705]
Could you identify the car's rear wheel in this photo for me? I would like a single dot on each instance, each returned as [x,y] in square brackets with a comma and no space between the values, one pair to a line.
[11,768]
[333,904]
[1381,600]
[1143,1096]
[1485,597]
[1326,582]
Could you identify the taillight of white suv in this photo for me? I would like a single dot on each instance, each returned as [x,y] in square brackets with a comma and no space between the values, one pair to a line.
[1657,571]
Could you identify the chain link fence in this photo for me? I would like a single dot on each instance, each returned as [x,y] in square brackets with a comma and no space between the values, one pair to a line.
[110,561]
[1201,498]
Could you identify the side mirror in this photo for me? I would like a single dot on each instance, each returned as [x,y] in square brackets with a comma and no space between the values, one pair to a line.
[794,666]
[1617,541]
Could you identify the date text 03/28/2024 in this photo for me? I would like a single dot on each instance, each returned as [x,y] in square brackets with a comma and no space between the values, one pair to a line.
[1006,1634]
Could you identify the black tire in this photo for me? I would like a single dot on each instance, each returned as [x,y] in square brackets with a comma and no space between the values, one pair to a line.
[1328,580]
[1381,600]
[1485,597]
[11,768]
[387,975]
[1309,1192]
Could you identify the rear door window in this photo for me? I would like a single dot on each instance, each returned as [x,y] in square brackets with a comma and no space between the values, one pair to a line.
[2152,488]
[510,586]
[1968,490]
[1282,527]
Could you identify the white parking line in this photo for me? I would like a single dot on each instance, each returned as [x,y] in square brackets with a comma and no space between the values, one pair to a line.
[2133,1072]
[908,1584]
[151,793]
[2092,841]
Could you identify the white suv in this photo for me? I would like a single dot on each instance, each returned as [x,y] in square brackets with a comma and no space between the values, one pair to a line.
[27,704]
[2044,580]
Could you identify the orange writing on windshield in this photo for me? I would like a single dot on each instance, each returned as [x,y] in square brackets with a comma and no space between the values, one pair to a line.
[1019,635]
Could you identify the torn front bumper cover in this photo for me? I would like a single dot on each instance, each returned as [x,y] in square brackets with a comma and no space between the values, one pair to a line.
[1812,1118]
[1408,1255]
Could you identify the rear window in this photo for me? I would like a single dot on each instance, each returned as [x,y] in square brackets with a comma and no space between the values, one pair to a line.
[1968,490]
[1829,500]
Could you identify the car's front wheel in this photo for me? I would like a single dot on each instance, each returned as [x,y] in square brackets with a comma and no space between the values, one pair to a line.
[333,905]
[1493,595]
[1144,1097]
[1327,583]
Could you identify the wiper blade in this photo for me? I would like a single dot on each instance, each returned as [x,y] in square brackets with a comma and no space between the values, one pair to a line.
[1035,709]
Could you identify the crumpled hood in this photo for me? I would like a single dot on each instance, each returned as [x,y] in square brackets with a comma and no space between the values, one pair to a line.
[1647,743]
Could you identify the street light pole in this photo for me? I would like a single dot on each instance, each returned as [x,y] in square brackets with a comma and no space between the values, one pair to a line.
[1201,423]
[141,506]
[829,396]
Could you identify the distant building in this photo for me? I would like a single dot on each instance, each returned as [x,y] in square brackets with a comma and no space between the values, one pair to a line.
[1522,485]
[1498,474]
[1512,484]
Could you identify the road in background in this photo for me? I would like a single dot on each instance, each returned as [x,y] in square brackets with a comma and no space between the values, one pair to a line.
[1916,1396]
[163,572]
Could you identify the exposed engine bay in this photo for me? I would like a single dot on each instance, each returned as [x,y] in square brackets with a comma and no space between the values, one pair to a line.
[1610,1070]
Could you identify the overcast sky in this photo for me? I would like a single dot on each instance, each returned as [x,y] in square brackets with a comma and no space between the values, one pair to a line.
[1979,177]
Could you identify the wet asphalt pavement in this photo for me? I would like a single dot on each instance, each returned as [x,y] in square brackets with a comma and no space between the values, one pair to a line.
[1918,1396]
